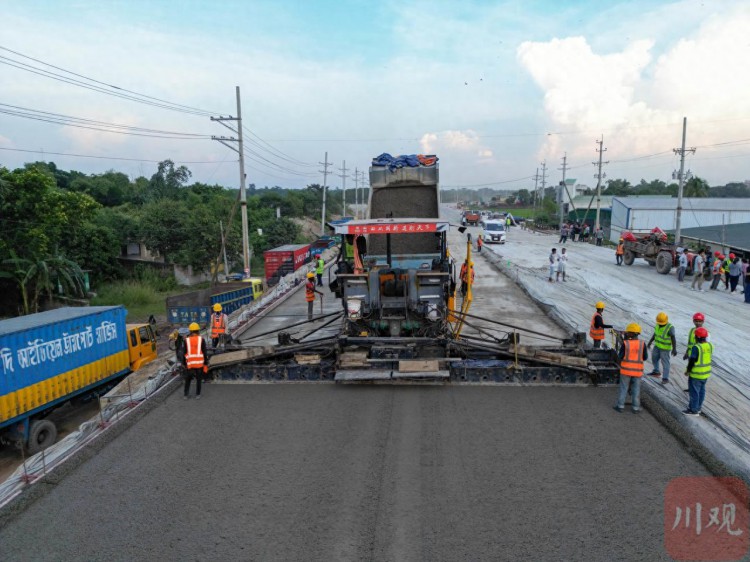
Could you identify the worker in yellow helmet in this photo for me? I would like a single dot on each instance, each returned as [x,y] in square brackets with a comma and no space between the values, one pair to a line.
[664,346]
[196,360]
[632,356]
[596,329]
[219,326]
[310,291]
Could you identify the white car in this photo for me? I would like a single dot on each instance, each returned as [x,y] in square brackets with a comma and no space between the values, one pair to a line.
[493,231]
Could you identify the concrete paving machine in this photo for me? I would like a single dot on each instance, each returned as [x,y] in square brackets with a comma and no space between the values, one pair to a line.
[401,319]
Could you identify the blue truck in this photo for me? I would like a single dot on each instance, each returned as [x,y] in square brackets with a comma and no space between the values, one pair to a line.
[195,306]
[62,355]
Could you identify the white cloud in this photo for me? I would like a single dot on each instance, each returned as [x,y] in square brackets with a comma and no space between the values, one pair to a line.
[638,100]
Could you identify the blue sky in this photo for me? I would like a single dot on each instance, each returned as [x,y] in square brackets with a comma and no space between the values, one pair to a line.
[494,88]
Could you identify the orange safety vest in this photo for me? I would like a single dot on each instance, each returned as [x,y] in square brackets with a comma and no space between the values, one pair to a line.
[218,324]
[479,242]
[309,291]
[462,275]
[716,267]
[193,355]
[620,249]
[632,363]
[594,332]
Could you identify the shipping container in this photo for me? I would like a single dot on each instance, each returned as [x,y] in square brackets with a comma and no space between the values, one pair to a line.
[196,306]
[285,260]
[51,357]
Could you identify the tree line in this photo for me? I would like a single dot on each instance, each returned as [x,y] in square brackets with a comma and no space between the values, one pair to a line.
[55,224]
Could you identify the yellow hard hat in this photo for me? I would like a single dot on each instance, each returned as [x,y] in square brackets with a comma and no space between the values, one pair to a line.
[633,328]
[310,275]
[217,307]
[600,304]
[662,318]
[194,327]
[471,263]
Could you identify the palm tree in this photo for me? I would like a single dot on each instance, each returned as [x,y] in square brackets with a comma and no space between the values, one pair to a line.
[696,187]
[35,277]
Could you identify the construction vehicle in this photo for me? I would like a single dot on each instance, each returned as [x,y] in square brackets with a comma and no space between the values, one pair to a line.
[401,319]
[472,218]
[62,355]
[655,249]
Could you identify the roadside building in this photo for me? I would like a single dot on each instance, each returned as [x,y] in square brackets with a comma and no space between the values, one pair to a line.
[641,214]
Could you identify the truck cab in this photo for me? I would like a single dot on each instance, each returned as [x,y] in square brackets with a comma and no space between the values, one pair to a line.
[257,286]
[141,345]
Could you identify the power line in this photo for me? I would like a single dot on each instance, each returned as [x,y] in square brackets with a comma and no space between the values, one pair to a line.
[129,94]
[81,123]
[108,157]
[277,152]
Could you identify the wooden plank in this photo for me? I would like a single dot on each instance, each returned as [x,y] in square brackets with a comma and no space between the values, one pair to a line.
[415,366]
[309,359]
[239,356]
[423,375]
[362,375]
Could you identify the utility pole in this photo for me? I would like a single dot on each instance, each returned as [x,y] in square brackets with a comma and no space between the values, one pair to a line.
[224,248]
[324,171]
[560,196]
[363,185]
[599,177]
[343,177]
[536,183]
[356,193]
[243,196]
[681,177]
[544,182]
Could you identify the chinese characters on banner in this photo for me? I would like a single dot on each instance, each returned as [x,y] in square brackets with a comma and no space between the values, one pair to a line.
[706,518]
[410,228]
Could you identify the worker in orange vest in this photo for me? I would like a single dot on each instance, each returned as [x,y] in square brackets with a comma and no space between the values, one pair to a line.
[195,360]
[465,277]
[479,243]
[596,330]
[219,324]
[619,251]
[632,357]
[310,291]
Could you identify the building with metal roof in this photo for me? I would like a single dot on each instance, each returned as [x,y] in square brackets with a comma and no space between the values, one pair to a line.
[641,214]
[727,238]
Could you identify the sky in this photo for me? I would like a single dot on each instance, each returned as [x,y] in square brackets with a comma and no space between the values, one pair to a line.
[495,89]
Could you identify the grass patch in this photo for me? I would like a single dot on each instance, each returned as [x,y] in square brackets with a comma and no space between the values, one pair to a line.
[139,298]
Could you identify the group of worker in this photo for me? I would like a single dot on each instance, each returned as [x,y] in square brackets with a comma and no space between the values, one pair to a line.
[633,353]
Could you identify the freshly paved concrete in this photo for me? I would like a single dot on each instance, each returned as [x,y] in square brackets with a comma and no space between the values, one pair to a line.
[326,472]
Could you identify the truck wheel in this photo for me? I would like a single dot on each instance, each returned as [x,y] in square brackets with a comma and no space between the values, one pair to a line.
[42,434]
[628,257]
[663,263]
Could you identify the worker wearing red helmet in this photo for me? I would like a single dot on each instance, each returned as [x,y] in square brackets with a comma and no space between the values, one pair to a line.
[698,320]
[698,371]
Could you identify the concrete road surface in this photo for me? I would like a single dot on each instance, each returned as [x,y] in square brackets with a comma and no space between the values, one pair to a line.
[326,472]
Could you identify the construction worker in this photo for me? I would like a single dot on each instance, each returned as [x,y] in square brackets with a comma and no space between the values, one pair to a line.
[320,266]
[219,326]
[195,360]
[310,291]
[465,276]
[632,356]
[698,370]
[698,319]
[619,251]
[664,346]
[716,270]
[596,330]
[480,242]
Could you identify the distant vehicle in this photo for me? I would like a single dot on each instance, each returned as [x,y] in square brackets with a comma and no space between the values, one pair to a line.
[472,218]
[63,355]
[196,306]
[493,231]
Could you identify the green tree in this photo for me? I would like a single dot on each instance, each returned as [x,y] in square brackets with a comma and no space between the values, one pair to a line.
[695,187]
[167,182]
[163,227]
